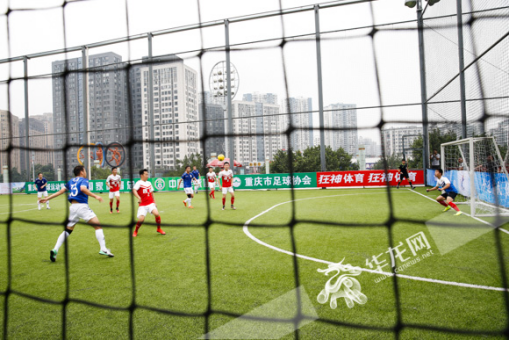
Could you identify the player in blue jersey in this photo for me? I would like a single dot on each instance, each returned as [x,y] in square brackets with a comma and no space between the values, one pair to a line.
[41,185]
[196,179]
[79,209]
[188,179]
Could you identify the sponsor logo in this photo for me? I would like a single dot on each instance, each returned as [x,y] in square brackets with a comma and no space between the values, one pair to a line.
[236,182]
[159,184]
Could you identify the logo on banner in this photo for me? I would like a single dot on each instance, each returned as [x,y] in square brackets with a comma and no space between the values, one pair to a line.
[364,178]
[159,184]
[236,182]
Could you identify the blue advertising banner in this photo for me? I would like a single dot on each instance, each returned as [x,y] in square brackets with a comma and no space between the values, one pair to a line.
[485,185]
[431,180]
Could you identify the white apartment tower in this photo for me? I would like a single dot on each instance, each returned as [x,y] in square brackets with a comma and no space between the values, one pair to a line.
[259,127]
[175,105]
[245,124]
[9,130]
[392,138]
[301,116]
[341,116]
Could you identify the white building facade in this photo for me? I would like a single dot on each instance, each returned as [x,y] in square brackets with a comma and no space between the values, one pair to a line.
[301,116]
[392,138]
[176,116]
[373,149]
[259,128]
[341,116]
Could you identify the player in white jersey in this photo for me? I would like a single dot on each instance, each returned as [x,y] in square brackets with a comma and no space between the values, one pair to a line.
[211,180]
[226,177]
[448,193]
[113,183]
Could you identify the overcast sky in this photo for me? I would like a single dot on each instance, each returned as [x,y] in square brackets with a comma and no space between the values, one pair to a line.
[347,57]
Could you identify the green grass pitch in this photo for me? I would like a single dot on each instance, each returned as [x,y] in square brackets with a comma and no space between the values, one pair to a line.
[171,274]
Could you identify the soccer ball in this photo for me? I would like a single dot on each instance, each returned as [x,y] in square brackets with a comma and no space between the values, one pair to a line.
[220,157]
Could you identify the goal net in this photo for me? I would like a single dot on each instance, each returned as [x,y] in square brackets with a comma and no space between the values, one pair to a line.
[478,174]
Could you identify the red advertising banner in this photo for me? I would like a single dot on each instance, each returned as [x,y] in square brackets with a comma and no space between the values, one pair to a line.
[365,178]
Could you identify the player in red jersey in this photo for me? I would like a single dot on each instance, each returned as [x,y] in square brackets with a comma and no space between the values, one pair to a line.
[113,183]
[211,179]
[226,177]
[143,192]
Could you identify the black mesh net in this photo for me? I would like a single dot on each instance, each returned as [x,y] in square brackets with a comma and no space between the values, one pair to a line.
[139,130]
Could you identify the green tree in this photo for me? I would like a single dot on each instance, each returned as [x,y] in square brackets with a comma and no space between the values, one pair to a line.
[47,170]
[393,162]
[100,173]
[309,160]
[345,160]
[280,163]
[15,176]
[503,150]
[194,159]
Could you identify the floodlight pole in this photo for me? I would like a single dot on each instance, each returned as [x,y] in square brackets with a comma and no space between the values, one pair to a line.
[229,96]
[84,79]
[424,95]
[152,169]
[27,123]
[459,14]
[320,90]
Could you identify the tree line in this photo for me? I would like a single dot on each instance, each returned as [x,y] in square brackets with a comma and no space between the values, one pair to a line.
[21,176]
[309,160]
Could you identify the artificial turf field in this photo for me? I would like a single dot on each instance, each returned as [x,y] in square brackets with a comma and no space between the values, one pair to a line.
[170,272]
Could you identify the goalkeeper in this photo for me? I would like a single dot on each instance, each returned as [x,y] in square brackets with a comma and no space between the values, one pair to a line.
[403,173]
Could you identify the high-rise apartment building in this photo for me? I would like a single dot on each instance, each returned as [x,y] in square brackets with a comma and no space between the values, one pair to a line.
[259,127]
[501,132]
[213,123]
[373,149]
[107,104]
[40,137]
[175,106]
[300,114]
[339,116]
[9,131]
[266,98]
[392,138]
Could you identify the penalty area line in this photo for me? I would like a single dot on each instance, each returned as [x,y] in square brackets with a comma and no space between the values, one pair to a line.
[309,258]
[464,213]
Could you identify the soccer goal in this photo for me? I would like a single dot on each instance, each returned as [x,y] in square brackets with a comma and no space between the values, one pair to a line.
[478,173]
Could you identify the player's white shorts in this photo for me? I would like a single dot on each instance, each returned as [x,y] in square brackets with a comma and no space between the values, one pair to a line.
[146,209]
[114,193]
[197,183]
[212,185]
[42,193]
[188,191]
[227,190]
[79,211]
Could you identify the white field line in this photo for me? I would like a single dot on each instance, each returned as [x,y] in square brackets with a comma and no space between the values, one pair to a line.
[415,278]
[15,212]
[464,213]
[15,204]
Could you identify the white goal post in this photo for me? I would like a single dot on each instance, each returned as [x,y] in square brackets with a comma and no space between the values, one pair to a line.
[478,174]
